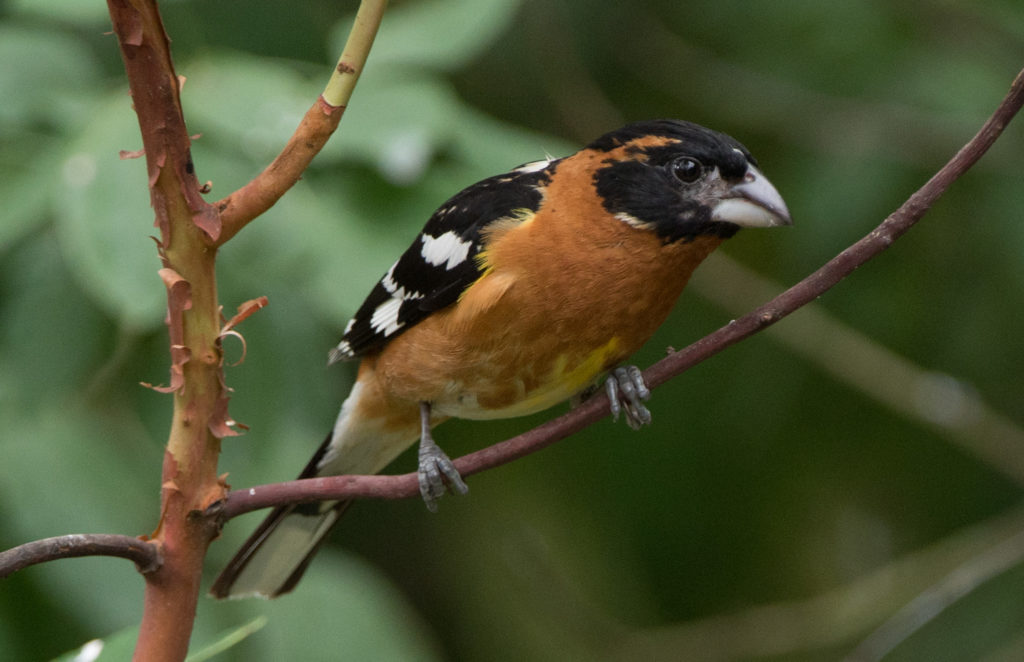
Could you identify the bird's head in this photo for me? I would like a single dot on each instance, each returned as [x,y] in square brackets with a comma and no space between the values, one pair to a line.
[683,181]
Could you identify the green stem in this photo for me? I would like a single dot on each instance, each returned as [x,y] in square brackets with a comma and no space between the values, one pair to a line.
[353,57]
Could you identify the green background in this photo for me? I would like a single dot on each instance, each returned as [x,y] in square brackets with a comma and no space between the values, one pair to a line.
[794,492]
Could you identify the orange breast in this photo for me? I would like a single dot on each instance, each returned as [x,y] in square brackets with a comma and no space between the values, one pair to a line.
[567,295]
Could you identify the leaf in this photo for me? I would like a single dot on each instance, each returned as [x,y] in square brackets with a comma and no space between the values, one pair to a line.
[39,336]
[120,645]
[250,105]
[438,34]
[372,622]
[82,12]
[397,124]
[44,76]
[112,648]
[104,218]
[29,180]
[227,640]
[92,464]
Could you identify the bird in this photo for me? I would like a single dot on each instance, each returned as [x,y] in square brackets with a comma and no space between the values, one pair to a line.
[522,291]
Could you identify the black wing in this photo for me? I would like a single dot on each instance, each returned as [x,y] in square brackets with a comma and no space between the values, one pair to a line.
[441,263]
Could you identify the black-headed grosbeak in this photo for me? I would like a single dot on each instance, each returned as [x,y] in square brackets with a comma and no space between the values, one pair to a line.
[520,292]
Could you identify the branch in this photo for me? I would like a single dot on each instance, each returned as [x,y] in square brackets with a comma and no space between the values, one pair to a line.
[841,266]
[596,408]
[319,123]
[146,555]
[854,359]
[190,232]
[187,226]
[930,604]
[175,198]
[800,627]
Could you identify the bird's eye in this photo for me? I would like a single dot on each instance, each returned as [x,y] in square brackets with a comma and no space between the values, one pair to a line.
[687,169]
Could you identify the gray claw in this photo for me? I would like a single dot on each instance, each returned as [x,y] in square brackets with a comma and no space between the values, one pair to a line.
[626,392]
[436,472]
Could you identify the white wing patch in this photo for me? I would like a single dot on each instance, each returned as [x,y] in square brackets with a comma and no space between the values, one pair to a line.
[385,317]
[448,250]
[533,166]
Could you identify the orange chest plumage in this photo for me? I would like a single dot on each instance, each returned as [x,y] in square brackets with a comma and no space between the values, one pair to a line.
[565,294]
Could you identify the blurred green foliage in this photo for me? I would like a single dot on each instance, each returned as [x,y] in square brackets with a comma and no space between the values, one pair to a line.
[772,512]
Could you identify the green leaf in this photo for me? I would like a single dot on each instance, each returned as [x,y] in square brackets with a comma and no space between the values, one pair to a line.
[29,182]
[81,12]
[120,645]
[248,105]
[490,147]
[438,34]
[113,648]
[104,218]
[397,124]
[49,328]
[227,640]
[369,620]
[44,75]
[89,464]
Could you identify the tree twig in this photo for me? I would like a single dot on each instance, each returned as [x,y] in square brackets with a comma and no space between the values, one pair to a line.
[841,266]
[927,606]
[928,397]
[146,555]
[596,408]
[830,620]
[319,123]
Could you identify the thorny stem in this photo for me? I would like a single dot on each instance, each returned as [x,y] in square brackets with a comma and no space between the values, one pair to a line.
[191,230]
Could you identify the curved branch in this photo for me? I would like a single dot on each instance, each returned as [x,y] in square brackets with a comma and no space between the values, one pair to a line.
[842,265]
[397,487]
[146,555]
[319,123]
[936,599]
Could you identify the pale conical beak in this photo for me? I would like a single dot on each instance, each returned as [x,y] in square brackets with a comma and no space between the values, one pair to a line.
[753,203]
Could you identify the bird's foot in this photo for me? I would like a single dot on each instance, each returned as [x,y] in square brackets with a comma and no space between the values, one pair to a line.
[437,474]
[627,391]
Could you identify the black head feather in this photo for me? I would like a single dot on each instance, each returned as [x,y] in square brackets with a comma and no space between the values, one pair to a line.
[641,185]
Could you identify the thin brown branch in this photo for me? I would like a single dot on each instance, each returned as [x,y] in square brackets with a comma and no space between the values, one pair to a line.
[810,288]
[146,555]
[260,194]
[841,266]
[854,359]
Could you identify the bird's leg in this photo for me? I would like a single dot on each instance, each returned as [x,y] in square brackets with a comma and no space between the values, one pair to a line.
[436,471]
[626,391]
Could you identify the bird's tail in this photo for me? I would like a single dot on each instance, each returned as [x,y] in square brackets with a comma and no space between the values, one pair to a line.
[275,556]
